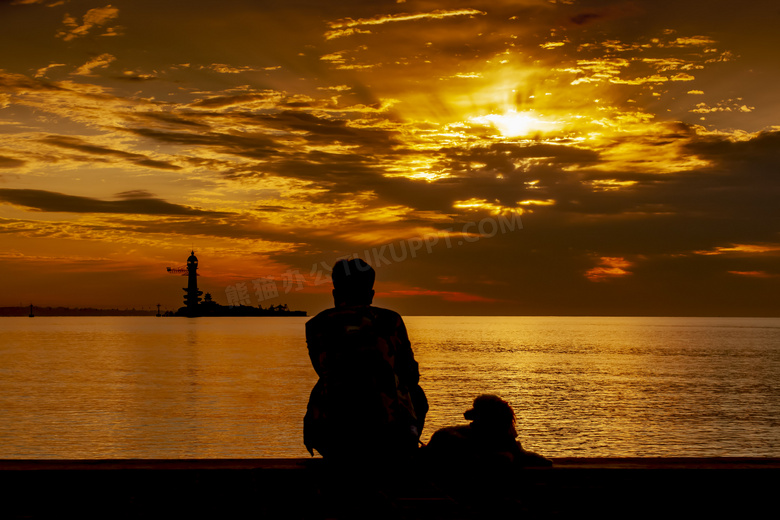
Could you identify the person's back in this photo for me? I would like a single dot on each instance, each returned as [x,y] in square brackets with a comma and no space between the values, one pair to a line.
[367,401]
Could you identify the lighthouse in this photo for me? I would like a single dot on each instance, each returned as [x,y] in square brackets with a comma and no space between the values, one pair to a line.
[192,294]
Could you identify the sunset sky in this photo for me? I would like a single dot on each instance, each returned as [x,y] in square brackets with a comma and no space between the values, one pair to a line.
[487,156]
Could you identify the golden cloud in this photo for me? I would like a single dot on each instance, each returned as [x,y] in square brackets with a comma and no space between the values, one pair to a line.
[348,26]
[43,70]
[692,41]
[754,274]
[609,267]
[93,18]
[723,106]
[100,62]
[740,248]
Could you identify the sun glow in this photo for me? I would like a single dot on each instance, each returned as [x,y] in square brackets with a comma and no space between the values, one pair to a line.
[516,124]
[475,204]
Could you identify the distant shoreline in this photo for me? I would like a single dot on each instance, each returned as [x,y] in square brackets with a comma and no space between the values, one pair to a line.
[216,311]
[67,311]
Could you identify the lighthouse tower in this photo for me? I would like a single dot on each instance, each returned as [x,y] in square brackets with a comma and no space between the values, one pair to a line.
[192,294]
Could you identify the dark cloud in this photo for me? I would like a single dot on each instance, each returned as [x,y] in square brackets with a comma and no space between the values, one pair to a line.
[761,151]
[583,18]
[323,130]
[136,78]
[271,138]
[502,157]
[271,209]
[483,172]
[238,99]
[228,226]
[253,146]
[159,165]
[49,201]
[75,143]
[10,82]
[338,172]
[171,119]
[134,194]
[10,162]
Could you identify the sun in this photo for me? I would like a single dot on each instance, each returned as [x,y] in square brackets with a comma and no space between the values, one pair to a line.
[516,124]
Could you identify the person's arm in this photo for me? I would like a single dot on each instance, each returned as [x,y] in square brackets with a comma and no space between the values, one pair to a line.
[315,346]
[407,367]
[408,371]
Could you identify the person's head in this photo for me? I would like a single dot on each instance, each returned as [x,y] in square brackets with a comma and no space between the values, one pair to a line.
[491,414]
[353,282]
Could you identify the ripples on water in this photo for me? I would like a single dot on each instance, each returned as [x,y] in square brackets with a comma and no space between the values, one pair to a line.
[237,387]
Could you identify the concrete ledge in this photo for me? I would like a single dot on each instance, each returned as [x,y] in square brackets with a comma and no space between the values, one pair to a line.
[561,463]
[308,488]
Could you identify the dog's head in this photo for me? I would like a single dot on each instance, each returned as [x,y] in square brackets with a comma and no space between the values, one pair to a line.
[491,414]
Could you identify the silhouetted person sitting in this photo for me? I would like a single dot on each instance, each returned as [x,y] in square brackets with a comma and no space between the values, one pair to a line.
[368,403]
[489,442]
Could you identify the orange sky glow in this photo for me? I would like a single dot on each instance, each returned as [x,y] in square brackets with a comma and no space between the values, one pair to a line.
[487,157]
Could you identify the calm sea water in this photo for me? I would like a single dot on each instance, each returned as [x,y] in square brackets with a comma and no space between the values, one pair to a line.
[128,387]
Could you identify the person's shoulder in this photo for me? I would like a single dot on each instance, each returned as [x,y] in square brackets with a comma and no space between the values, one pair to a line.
[322,314]
[336,315]
[320,317]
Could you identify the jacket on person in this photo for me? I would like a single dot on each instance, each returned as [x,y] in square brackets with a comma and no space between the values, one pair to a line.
[368,394]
